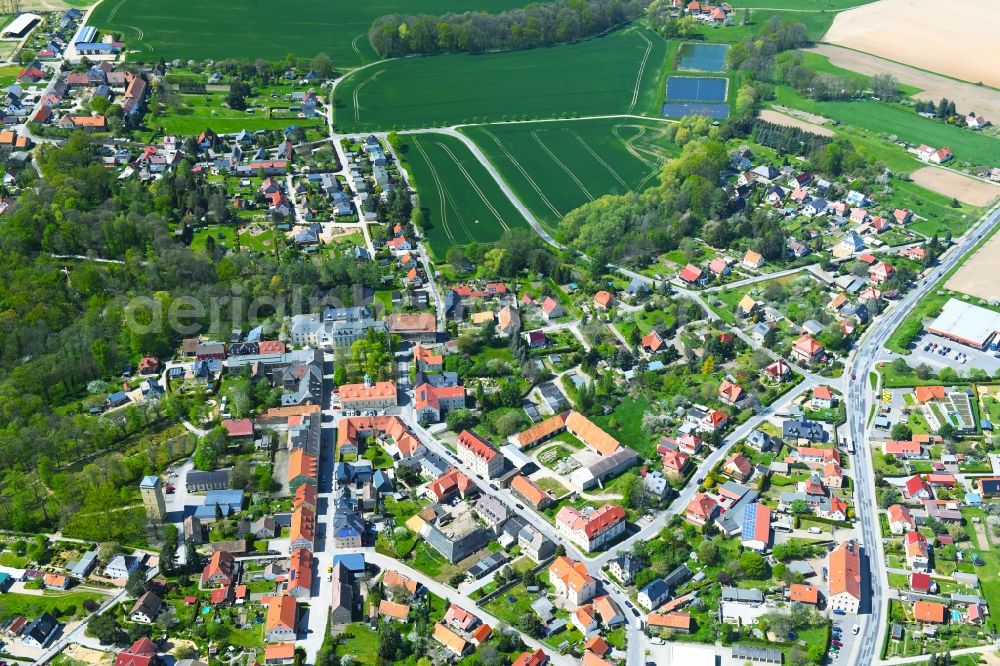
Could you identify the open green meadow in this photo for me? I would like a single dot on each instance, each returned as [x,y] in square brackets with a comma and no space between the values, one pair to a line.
[802,5]
[554,167]
[461,202]
[895,119]
[196,112]
[816,22]
[612,74]
[250,29]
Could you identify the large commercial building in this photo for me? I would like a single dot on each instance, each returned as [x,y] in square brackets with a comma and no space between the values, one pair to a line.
[967,324]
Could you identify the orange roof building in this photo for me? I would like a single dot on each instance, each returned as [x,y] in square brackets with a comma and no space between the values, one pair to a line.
[593,530]
[449,483]
[393,610]
[804,594]
[603,300]
[591,434]
[927,393]
[300,573]
[675,620]
[302,531]
[279,623]
[526,489]
[844,567]
[396,437]
[279,652]
[930,612]
[571,580]
[541,431]
[450,639]
[302,468]
[368,396]
[536,658]
[391,579]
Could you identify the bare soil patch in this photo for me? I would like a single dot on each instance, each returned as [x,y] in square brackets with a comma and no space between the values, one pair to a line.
[967,96]
[87,655]
[979,276]
[968,190]
[785,120]
[956,39]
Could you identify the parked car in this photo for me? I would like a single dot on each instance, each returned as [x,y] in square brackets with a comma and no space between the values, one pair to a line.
[837,611]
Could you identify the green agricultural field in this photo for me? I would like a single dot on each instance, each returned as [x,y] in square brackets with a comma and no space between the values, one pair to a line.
[612,74]
[191,29]
[558,166]
[461,202]
[886,119]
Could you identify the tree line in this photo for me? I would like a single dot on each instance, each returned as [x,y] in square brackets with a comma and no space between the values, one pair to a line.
[786,139]
[540,24]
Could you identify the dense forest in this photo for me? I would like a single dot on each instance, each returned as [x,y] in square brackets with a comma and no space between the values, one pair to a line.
[540,24]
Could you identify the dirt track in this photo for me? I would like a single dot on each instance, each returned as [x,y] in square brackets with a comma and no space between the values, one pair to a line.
[967,97]
[778,118]
[964,188]
[979,276]
[956,39]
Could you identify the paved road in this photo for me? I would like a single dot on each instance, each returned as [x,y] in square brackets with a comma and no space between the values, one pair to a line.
[860,398]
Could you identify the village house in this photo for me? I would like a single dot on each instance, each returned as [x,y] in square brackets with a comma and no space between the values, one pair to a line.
[571,581]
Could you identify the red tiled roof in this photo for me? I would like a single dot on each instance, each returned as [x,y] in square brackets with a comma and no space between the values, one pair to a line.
[596,523]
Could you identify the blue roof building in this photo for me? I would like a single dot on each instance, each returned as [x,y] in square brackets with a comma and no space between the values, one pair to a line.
[82,568]
[354,562]
[230,501]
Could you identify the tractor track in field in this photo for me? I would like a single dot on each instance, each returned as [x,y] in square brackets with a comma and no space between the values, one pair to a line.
[475,186]
[566,169]
[357,107]
[527,177]
[440,188]
[642,67]
[600,160]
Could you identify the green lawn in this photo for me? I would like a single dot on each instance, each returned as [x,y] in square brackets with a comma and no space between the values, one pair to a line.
[360,642]
[895,119]
[9,559]
[612,74]
[555,488]
[30,605]
[196,112]
[460,200]
[557,167]
[625,424]
[988,574]
[511,611]
[217,30]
